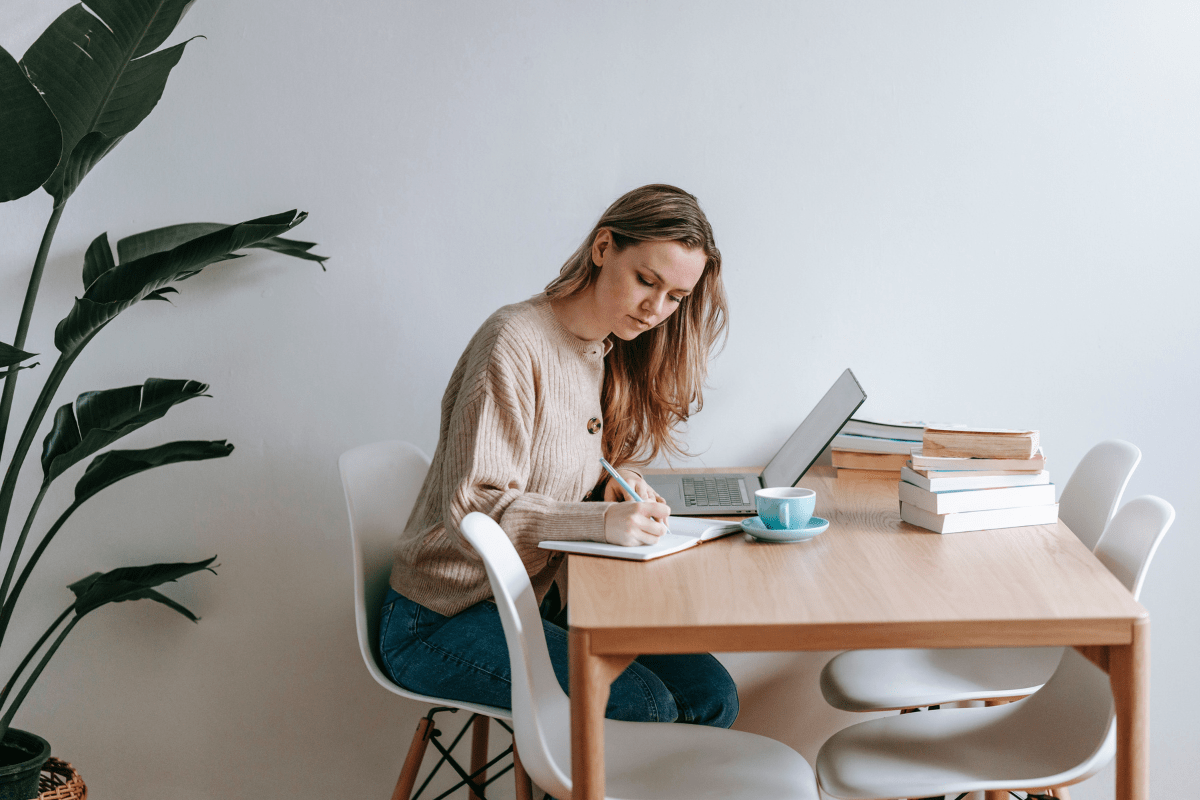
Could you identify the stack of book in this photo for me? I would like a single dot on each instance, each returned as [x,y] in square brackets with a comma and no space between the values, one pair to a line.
[977,479]
[868,449]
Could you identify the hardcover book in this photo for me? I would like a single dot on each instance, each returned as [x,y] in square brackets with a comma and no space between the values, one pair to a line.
[905,431]
[961,500]
[873,444]
[979,443]
[947,480]
[922,462]
[979,520]
[868,474]
[846,459]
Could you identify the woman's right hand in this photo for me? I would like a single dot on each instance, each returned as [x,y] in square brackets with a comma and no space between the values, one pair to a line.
[630,524]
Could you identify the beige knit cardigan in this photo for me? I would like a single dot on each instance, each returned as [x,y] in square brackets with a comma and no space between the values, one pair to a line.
[519,441]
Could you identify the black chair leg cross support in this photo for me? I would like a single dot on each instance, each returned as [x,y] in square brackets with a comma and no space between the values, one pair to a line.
[474,780]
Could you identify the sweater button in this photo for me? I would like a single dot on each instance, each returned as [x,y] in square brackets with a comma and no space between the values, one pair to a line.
[594,425]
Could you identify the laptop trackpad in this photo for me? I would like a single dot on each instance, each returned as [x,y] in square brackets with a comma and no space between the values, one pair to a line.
[670,492]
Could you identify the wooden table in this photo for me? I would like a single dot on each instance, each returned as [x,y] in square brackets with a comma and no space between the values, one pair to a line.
[870,581]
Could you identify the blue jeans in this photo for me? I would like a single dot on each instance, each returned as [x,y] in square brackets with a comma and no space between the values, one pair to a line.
[465,657]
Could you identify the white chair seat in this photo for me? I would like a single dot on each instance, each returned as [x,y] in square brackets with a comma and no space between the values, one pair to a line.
[663,761]
[1062,734]
[381,482]
[1020,745]
[642,760]
[882,680]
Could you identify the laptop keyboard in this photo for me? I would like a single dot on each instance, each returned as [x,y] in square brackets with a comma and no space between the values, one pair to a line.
[714,492]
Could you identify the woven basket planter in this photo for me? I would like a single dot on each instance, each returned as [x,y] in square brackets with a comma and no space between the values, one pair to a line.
[60,781]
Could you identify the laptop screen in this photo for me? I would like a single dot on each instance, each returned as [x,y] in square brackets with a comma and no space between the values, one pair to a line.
[815,432]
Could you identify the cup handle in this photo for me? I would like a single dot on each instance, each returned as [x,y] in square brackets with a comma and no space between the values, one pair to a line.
[785,516]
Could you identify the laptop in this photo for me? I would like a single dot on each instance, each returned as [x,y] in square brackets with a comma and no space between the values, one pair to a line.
[733,493]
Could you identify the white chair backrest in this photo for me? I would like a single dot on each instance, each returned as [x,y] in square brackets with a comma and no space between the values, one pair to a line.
[381,481]
[1073,712]
[541,711]
[1129,541]
[1071,719]
[1094,490]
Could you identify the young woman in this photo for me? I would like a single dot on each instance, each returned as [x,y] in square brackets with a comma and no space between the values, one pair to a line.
[608,361]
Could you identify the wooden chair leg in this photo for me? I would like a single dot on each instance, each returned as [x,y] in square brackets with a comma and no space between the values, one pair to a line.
[479,750]
[412,762]
[521,777]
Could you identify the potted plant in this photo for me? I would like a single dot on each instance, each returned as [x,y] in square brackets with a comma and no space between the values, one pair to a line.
[89,79]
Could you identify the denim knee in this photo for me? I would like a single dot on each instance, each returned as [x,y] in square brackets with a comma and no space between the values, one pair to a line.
[638,695]
[703,690]
[722,708]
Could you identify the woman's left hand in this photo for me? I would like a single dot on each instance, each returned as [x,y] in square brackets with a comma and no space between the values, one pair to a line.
[613,493]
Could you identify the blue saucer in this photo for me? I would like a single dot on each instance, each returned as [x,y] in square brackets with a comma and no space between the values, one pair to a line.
[755,527]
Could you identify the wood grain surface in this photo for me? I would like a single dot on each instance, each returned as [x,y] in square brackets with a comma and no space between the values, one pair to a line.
[871,580]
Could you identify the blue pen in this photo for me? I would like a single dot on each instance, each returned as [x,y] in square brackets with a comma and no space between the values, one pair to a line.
[621,481]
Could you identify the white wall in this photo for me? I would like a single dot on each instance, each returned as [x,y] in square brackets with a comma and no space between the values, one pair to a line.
[988,210]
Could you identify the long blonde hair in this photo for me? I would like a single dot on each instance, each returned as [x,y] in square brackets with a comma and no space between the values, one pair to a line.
[652,383]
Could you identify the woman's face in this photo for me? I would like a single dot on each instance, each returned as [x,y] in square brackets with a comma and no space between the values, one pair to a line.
[642,285]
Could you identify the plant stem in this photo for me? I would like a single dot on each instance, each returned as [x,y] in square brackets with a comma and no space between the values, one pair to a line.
[6,720]
[12,681]
[12,561]
[10,602]
[53,381]
[35,281]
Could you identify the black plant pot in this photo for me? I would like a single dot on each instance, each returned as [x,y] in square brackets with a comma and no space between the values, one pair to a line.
[21,757]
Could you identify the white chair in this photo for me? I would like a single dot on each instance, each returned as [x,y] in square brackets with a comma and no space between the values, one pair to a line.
[1062,734]
[657,760]
[881,680]
[381,481]
[1093,492]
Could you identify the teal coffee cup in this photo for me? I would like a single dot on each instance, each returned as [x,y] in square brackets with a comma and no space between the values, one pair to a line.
[785,508]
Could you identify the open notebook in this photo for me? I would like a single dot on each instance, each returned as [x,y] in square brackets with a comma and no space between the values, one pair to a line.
[685,532]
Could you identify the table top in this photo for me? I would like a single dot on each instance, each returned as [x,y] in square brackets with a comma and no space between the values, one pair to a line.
[870,580]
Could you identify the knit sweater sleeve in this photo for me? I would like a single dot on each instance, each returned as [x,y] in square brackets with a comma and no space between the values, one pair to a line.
[493,464]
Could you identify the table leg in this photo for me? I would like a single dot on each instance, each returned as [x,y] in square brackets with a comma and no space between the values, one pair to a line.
[591,677]
[1129,671]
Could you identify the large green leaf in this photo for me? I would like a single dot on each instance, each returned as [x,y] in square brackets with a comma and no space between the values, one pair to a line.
[113,290]
[141,245]
[97,260]
[86,155]
[161,294]
[96,68]
[108,468]
[10,355]
[134,583]
[30,141]
[97,419]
